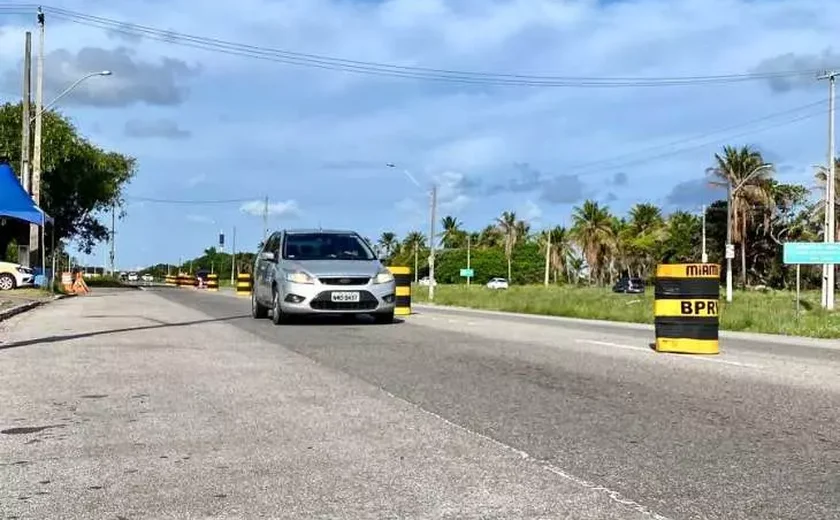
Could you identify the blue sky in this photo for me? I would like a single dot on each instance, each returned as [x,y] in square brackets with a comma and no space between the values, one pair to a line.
[211,126]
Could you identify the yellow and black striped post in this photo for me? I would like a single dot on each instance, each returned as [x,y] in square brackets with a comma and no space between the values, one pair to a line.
[402,276]
[212,282]
[243,284]
[171,280]
[687,308]
[181,280]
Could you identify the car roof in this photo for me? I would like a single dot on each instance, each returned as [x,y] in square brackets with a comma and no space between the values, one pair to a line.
[320,231]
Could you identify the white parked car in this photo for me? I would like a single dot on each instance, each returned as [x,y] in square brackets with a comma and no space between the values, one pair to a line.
[497,283]
[425,281]
[148,278]
[133,277]
[13,275]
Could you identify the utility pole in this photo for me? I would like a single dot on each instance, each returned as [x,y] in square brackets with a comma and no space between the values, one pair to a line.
[233,257]
[830,195]
[705,257]
[26,118]
[729,247]
[469,246]
[432,244]
[265,221]
[416,274]
[36,152]
[547,255]
[112,254]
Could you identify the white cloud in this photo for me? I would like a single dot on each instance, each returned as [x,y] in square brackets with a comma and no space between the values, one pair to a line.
[530,212]
[287,209]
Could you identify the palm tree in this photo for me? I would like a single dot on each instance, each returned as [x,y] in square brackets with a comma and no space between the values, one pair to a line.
[592,229]
[489,237]
[749,175]
[509,227]
[452,233]
[414,241]
[558,243]
[644,236]
[388,242]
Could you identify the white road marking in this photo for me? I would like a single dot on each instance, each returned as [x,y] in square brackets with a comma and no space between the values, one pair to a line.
[674,356]
[613,495]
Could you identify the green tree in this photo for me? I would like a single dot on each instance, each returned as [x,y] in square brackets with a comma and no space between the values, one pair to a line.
[388,243]
[79,179]
[509,227]
[593,230]
[745,170]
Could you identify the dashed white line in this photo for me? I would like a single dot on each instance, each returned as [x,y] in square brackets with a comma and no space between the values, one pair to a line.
[675,356]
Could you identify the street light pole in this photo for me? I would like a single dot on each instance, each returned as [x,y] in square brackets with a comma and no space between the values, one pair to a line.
[729,247]
[830,195]
[68,90]
[432,215]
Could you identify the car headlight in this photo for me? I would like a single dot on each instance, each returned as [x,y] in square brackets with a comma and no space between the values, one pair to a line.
[299,277]
[383,276]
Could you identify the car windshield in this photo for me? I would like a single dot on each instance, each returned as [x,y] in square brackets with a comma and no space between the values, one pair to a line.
[326,246]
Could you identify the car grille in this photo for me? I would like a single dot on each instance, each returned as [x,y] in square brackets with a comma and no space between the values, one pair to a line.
[345,280]
[322,302]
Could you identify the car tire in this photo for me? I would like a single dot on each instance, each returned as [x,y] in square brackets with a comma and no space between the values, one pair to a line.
[258,310]
[277,315]
[384,318]
[7,282]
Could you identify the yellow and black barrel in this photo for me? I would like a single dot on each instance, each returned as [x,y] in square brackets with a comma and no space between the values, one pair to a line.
[687,308]
[243,284]
[402,276]
[182,280]
[171,280]
[212,282]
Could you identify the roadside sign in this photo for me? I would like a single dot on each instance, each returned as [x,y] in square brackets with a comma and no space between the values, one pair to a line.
[811,253]
[467,273]
[730,251]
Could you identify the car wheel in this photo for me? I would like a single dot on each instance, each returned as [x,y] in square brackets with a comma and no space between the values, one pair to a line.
[258,310]
[7,282]
[384,318]
[276,312]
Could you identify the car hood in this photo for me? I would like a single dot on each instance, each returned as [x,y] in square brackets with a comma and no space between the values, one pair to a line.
[319,268]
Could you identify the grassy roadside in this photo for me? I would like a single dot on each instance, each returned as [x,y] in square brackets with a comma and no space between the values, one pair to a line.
[13,298]
[771,313]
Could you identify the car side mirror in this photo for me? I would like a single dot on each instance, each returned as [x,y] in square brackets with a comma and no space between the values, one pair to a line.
[268,256]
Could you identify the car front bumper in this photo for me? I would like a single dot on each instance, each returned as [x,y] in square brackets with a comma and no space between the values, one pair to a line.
[25,280]
[297,298]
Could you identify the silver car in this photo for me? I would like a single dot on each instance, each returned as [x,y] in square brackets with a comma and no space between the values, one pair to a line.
[320,272]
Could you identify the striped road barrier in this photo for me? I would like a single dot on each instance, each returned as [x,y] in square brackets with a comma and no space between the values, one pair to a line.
[402,275]
[687,308]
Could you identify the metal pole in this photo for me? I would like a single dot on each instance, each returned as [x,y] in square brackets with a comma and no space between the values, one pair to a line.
[830,286]
[705,257]
[547,256]
[797,290]
[233,257]
[469,245]
[26,137]
[36,152]
[416,275]
[432,245]
[728,241]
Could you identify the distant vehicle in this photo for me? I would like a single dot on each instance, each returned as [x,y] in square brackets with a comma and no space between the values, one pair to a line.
[497,283]
[426,282]
[321,272]
[133,277]
[13,276]
[629,285]
[148,278]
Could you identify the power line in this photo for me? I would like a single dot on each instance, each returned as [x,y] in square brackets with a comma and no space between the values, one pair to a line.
[398,71]
[176,201]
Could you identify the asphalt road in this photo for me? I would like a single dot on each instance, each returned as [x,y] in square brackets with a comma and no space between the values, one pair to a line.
[172,402]
[754,433]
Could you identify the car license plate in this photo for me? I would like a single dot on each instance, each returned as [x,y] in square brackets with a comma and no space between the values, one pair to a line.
[345,297]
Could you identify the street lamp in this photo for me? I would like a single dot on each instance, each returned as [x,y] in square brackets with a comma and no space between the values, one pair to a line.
[70,89]
[730,249]
[432,217]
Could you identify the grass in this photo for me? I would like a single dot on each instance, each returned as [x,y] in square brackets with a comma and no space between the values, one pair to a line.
[17,297]
[771,312]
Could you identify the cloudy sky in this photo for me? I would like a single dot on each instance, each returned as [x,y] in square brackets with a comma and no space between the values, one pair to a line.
[208,125]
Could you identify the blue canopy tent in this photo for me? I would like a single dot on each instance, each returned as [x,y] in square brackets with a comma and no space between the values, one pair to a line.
[14,201]
[17,205]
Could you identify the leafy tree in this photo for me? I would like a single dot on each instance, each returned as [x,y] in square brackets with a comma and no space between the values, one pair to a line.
[509,227]
[78,180]
[593,229]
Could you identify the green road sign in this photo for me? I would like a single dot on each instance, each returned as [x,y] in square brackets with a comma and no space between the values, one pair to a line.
[467,273]
[811,253]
